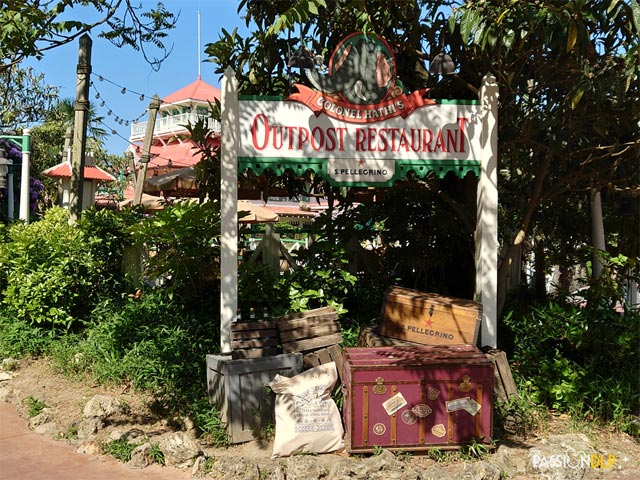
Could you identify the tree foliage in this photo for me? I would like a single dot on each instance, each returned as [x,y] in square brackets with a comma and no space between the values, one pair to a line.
[24,97]
[29,28]
[569,94]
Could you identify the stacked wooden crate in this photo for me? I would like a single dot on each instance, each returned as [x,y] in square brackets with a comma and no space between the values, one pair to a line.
[314,333]
[254,339]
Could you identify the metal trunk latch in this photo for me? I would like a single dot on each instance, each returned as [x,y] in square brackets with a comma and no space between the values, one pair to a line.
[379,388]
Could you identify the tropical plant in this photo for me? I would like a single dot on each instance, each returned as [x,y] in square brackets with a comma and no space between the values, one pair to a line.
[568,79]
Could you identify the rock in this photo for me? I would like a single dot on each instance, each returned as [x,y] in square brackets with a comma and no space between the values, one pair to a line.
[436,473]
[140,457]
[480,471]
[89,448]
[197,469]
[133,435]
[561,457]
[304,466]
[49,429]
[7,394]
[88,427]
[238,469]
[384,466]
[179,449]
[102,406]
[5,377]
[514,461]
[9,364]
[45,416]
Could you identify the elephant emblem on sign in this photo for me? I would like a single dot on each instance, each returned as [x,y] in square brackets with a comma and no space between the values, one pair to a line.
[361,71]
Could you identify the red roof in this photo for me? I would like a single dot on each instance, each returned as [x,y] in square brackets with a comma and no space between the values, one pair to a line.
[197,90]
[90,172]
[180,154]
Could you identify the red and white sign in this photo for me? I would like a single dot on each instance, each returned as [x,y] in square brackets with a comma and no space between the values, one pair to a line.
[276,129]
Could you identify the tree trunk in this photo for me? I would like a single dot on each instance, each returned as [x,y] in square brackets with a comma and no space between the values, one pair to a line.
[513,250]
[597,232]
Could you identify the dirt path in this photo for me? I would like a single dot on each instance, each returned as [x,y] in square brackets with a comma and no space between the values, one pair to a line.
[28,456]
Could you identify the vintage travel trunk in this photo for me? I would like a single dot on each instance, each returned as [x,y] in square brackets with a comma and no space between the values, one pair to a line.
[416,398]
[429,319]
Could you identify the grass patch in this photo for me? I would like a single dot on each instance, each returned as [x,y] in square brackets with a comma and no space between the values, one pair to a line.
[120,449]
[35,406]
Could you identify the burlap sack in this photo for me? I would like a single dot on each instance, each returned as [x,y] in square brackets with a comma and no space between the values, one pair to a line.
[307,418]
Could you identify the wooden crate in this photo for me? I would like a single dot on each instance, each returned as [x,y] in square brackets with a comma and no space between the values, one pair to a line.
[370,337]
[314,333]
[237,388]
[416,398]
[429,319]
[310,330]
[254,339]
[505,387]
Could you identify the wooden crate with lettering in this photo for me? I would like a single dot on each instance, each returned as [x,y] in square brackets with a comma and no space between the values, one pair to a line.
[416,398]
[429,319]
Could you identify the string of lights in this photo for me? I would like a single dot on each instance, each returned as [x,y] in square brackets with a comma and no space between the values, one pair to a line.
[123,90]
[114,131]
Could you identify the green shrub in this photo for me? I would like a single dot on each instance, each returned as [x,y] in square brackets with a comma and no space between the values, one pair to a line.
[580,361]
[110,236]
[209,423]
[185,241]
[154,342]
[49,271]
[35,406]
[20,339]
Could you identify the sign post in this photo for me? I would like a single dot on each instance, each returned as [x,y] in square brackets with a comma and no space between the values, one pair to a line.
[228,208]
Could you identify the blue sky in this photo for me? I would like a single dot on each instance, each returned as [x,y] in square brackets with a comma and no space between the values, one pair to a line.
[126,68]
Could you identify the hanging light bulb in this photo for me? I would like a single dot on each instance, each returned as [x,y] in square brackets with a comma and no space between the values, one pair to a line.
[142,97]
[123,91]
[100,78]
[102,103]
[109,112]
[97,94]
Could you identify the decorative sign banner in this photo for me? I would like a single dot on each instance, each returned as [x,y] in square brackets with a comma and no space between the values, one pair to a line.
[359,123]
[445,131]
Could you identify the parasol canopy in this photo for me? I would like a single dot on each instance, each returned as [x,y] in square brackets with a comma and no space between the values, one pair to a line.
[182,182]
[256,213]
[253,213]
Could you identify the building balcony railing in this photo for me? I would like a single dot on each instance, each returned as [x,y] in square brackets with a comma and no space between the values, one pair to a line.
[171,125]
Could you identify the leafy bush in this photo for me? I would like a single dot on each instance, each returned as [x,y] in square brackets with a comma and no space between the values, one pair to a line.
[120,449]
[260,287]
[35,406]
[19,339]
[323,280]
[110,236]
[185,243]
[48,271]
[581,361]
